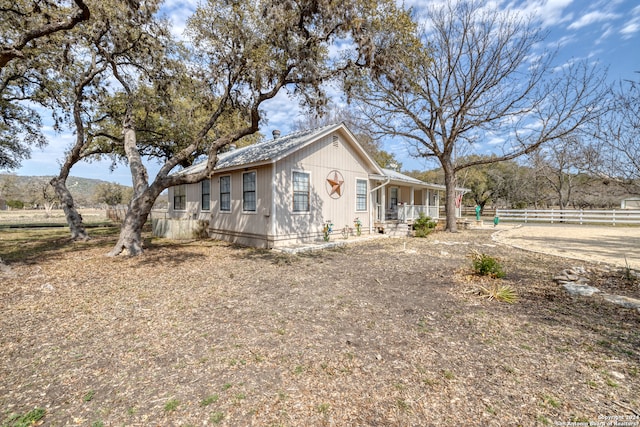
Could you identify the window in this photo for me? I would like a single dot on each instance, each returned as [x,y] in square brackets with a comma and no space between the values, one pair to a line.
[180,197]
[206,195]
[225,193]
[361,194]
[300,192]
[249,191]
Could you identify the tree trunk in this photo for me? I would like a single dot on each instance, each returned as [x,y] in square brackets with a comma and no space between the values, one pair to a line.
[450,197]
[130,239]
[482,204]
[74,219]
[144,195]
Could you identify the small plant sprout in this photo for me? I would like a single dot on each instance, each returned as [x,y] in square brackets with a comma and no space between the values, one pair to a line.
[448,374]
[628,272]
[209,400]
[217,417]
[28,419]
[323,408]
[171,405]
[551,401]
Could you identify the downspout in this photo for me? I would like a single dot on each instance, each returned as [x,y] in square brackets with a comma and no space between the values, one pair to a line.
[370,195]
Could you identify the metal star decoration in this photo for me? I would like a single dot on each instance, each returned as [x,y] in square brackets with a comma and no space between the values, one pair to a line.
[335,184]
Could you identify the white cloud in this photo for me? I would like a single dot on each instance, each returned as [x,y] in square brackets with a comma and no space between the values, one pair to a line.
[592,18]
[565,40]
[178,12]
[281,113]
[495,140]
[548,12]
[632,26]
[608,30]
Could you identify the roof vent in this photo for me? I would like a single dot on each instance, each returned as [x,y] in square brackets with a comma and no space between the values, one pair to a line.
[276,134]
[232,146]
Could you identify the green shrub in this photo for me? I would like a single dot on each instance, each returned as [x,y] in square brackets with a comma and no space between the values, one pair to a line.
[423,225]
[485,265]
[15,204]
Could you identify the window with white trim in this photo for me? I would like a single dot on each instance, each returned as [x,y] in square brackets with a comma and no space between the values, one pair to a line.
[249,191]
[301,192]
[361,194]
[225,193]
[206,195]
[180,197]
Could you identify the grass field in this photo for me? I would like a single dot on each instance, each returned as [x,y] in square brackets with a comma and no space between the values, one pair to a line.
[40,216]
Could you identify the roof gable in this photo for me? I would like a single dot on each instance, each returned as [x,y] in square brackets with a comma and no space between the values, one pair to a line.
[270,151]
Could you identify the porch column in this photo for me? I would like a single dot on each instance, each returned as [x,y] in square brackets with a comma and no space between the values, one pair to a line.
[372,210]
[428,201]
[413,204]
[383,204]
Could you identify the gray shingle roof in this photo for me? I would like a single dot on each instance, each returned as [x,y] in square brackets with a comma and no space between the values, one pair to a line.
[271,150]
[265,151]
[397,176]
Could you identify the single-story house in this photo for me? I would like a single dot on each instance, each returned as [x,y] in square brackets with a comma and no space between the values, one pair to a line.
[287,189]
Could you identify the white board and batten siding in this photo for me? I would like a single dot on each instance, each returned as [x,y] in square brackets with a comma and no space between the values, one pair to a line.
[193,208]
[237,225]
[319,160]
[186,223]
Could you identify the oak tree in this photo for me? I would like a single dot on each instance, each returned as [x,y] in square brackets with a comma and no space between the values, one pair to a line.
[117,33]
[475,76]
[27,35]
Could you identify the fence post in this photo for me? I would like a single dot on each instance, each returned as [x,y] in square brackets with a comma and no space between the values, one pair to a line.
[580,216]
[613,217]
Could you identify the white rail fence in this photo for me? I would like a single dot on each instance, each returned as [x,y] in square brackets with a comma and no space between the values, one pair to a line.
[571,216]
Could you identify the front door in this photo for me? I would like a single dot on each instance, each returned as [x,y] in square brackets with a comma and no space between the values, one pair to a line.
[393,199]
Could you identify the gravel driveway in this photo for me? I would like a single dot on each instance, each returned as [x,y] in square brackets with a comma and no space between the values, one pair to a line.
[602,244]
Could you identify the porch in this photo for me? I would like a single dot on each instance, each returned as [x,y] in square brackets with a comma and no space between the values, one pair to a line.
[398,200]
[408,213]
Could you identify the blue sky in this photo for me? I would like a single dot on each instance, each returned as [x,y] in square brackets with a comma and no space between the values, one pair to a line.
[606,32]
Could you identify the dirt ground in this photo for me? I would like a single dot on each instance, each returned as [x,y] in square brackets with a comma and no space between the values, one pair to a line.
[389,332]
[619,246]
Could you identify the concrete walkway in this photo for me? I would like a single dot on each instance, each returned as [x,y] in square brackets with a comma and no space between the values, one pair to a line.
[602,244]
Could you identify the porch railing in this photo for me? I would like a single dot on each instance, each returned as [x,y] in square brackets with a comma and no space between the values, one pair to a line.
[411,212]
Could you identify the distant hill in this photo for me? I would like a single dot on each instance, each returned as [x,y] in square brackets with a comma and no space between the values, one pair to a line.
[29,189]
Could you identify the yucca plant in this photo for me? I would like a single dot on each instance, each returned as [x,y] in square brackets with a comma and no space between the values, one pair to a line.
[503,293]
